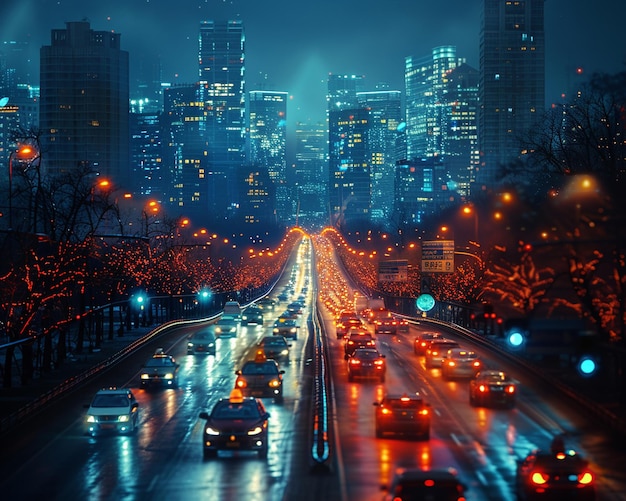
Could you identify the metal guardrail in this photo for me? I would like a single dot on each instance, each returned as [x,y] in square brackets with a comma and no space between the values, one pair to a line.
[72,383]
[615,422]
[320,449]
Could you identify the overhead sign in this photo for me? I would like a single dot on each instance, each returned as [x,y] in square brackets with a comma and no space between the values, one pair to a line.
[393,271]
[438,256]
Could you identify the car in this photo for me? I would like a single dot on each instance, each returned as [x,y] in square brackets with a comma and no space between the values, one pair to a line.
[226,326]
[403,325]
[295,307]
[356,340]
[492,388]
[436,351]
[385,323]
[112,410]
[275,347]
[252,315]
[236,423]
[201,342]
[233,309]
[261,377]
[460,363]
[293,315]
[409,484]
[421,342]
[342,327]
[283,296]
[367,363]
[266,304]
[159,370]
[403,414]
[555,475]
[287,327]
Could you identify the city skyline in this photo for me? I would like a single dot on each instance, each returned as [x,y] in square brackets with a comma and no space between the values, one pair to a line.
[293,48]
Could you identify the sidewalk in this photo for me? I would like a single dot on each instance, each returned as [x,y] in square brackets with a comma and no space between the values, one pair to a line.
[20,396]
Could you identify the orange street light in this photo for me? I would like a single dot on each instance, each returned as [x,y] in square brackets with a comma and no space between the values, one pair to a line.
[24,153]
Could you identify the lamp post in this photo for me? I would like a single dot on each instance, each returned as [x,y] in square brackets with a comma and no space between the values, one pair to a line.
[24,152]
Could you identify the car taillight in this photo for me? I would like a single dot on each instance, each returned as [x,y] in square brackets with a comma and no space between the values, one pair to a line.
[241,383]
[476,364]
[379,362]
[434,353]
[423,412]
[585,478]
[538,477]
[451,363]
[350,342]
[510,389]
[355,361]
[385,411]
[482,388]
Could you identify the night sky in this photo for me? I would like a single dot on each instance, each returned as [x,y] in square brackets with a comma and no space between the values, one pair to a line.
[292,45]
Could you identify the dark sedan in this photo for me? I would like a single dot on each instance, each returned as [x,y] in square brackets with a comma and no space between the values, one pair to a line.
[236,423]
[492,388]
[403,414]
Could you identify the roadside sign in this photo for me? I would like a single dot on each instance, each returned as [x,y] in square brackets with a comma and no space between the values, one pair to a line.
[438,256]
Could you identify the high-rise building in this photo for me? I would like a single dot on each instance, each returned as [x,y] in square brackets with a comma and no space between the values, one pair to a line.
[84,102]
[386,145]
[184,154]
[268,144]
[222,91]
[512,81]
[349,189]
[146,156]
[310,173]
[461,136]
[427,105]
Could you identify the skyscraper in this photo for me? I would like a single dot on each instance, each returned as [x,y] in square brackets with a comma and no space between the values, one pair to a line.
[222,86]
[268,143]
[512,80]
[310,172]
[349,188]
[84,102]
[385,146]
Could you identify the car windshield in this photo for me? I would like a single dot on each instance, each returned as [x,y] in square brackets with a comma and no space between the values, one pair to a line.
[367,354]
[253,368]
[405,404]
[233,411]
[274,342]
[160,362]
[201,336]
[496,377]
[113,400]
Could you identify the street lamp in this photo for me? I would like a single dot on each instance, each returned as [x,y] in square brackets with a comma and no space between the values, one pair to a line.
[23,153]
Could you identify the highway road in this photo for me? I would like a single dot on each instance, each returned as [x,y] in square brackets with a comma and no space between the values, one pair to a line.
[50,456]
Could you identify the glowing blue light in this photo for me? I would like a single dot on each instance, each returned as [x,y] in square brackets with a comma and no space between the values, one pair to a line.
[140,299]
[587,366]
[4,101]
[516,339]
[401,126]
[425,302]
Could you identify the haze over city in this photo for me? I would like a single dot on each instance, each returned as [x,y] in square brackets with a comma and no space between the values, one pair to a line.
[292,46]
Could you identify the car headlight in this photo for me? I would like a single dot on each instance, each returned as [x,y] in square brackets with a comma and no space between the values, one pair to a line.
[211,431]
[124,418]
[255,431]
[211,345]
[284,352]
[293,329]
[145,376]
[274,383]
[189,345]
[169,375]
[91,419]
[276,329]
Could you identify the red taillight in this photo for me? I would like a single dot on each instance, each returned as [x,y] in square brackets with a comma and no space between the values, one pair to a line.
[385,411]
[355,361]
[423,412]
[451,363]
[379,362]
[538,478]
[510,389]
[585,478]
[477,364]
[482,388]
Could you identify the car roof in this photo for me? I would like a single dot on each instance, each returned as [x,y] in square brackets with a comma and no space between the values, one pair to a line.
[114,391]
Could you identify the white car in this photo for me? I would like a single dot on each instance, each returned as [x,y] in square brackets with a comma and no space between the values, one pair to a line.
[112,410]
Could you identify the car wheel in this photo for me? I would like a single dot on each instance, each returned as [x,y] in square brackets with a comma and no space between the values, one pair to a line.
[209,453]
